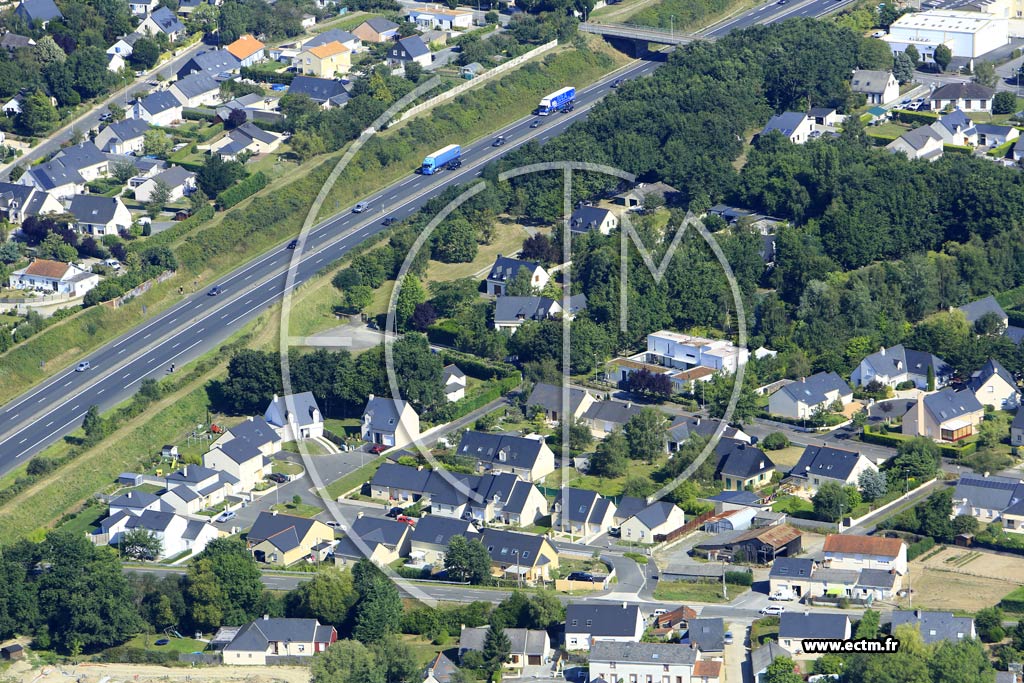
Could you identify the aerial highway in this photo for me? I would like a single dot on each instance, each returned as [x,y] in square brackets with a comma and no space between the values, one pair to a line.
[200,322]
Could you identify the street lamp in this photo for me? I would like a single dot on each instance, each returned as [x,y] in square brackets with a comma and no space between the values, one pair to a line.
[672,25]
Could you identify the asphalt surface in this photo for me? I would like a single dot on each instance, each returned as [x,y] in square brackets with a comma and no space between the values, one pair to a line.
[199,323]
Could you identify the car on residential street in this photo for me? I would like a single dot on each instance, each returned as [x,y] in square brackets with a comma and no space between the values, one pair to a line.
[335,525]
[394,512]
[773,610]
[581,576]
[226,516]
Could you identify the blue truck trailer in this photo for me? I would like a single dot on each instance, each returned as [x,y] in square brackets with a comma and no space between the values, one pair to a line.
[433,163]
[556,101]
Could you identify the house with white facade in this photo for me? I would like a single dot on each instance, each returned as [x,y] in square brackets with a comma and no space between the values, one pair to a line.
[528,457]
[587,623]
[295,417]
[160,108]
[162,21]
[879,87]
[98,215]
[660,517]
[592,219]
[428,17]
[18,202]
[270,640]
[923,144]
[179,182]
[53,277]
[615,661]
[803,399]
[244,453]
[177,534]
[994,386]
[123,137]
[946,415]
[848,551]
[898,364]
[506,269]
[823,464]
[792,125]
[684,351]
[389,422]
[453,380]
[582,513]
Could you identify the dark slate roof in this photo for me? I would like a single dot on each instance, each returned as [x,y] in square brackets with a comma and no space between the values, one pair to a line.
[304,407]
[160,101]
[451,488]
[956,119]
[255,431]
[91,208]
[253,132]
[707,634]
[1015,334]
[515,308]
[791,567]
[825,461]
[580,505]
[642,653]
[381,25]
[523,641]
[936,626]
[816,112]
[956,91]
[608,620]
[991,368]
[976,309]
[20,193]
[876,578]
[317,89]
[134,499]
[151,520]
[400,477]
[515,451]
[785,123]
[128,129]
[13,41]
[866,81]
[258,635]
[175,176]
[992,129]
[413,47]
[813,625]
[549,396]
[335,34]
[380,531]
[82,155]
[948,404]
[763,656]
[629,506]
[141,164]
[587,218]
[384,413]
[285,532]
[740,459]
[685,425]
[813,389]
[167,21]
[913,362]
[988,493]
[196,84]
[240,451]
[38,10]
[441,668]
[506,488]
[438,530]
[615,412]
[1018,419]
[502,546]
[53,174]
[655,514]
[505,269]
[213,62]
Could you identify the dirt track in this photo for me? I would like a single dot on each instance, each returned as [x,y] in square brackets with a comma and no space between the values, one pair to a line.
[130,673]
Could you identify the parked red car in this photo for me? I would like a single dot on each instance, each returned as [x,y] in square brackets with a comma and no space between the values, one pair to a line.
[378,448]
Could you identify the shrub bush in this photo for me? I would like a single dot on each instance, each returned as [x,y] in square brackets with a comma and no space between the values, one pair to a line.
[920,547]
[246,188]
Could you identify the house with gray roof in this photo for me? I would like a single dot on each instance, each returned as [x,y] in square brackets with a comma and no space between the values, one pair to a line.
[684,426]
[994,386]
[86,158]
[409,49]
[956,128]
[974,310]
[793,125]
[582,513]
[178,181]
[527,457]
[283,540]
[176,533]
[707,635]
[628,506]
[347,39]
[796,627]
[163,21]
[510,312]
[548,398]
[376,30]
[586,623]
[936,627]
[742,465]
[389,422]
[248,138]
[295,417]
[617,661]
[527,557]
[440,670]
[656,519]
[13,42]
[605,416]
[1017,429]
[98,215]
[592,219]
[211,62]
[994,135]
[803,399]
[196,90]
[762,657]
[160,108]
[326,92]
[966,96]
[453,379]
[270,640]
[878,87]
[506,269]
[387,539]
[898,364]
[946,415]
[505,498]
[394,482]
[791,575]
[986,497]
[123,137]
[429,539]
[53,177]
[38,12]
[919,144]
[822,464]
[18,202]
[529,647]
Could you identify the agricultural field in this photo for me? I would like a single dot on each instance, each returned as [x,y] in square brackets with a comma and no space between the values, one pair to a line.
[962,579]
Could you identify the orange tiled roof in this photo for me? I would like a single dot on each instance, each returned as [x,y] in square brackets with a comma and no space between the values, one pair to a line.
[246,46]
[328,50]
[707,667]
[46,268]
[863,545]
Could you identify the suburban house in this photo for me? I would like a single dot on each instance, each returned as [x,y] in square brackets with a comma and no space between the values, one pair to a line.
[880,87]
[993,385]
[12,42]
[865,552]
[526,556]
[1017,429]
[794,126]
[592,219]
[386,540]
[247,50]
[664,662]
[256,432]
[326,92]
[347,39]
[55,178]
[401,483]
[674,621]
[964,96]
[633,199]
[176,179]
[265,640]
[605,416]
[123,137]
[657,518]
[684,351]
[761,546]
[98,215]
[18,202]
[582,513]
[919,144]
[976,309]
[160,108]
[706,635]
[325,61]
[376,30]
[683,426]
[411,49]
[548,399]
[454,382]
[246,138]
[295,417]
[212,62]
[588,623]
[196,90]
[428,17]
[141,8]
[176,533]
[742,466]
[796,627]
[162,21]
[506,269]
[823,464]
[38,12]
[946,415]
[955,128]
[440,670]
[86,158]
[510,312]
[194,488]
[529,647]
[809,396]
[898,364]
[283,540]
[762,657]
[389,422]
[993,135]
[527,457]
[505,498]
[800,577]
[936,627]
[244,452]
[987,498]
[791,575]
[429,539]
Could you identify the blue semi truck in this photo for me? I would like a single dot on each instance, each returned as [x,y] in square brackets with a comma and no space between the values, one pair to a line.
[557,101]
[445,156]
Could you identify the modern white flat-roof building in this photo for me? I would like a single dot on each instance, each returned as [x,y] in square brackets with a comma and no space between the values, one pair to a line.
[967,34]
[684,351]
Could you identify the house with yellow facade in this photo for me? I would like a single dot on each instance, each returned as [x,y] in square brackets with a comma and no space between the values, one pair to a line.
[325,61]
[283,540]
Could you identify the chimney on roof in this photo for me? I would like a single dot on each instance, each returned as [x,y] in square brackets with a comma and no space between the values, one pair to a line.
[371,397]
[419,468]
[624,605]
[986,474]
[184,471]
[266,617]
[359,515]
[273,513]
[882,350]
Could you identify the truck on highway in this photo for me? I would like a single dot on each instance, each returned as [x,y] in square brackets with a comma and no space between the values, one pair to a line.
[435,162]
[556,101]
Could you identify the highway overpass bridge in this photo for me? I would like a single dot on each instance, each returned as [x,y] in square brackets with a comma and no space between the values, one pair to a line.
[638,38]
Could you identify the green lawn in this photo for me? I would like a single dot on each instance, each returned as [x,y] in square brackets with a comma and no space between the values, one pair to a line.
[300,510]
[285,467]
[86,520]
[785,458]
[145,641]
[691,591]
[567,566]
[508,239]
[354,478]
[312,447]
[792,504]
[606,486]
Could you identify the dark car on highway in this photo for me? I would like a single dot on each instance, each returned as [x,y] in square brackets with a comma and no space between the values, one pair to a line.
[390,220]
[498,141]
[215,291]
[536,123]
[454,164]
[293,244]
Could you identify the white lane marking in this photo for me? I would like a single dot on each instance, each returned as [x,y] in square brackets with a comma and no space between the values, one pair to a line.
[23,441]
[74,407]
[41,400]
[48,423]
[67,383]
[69,422]
[319,260]
[199,305]
[174,357]
[100,392]
[176,345]
[148,335]
[248,277]
[247,302]
[121,351]
[126,375]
